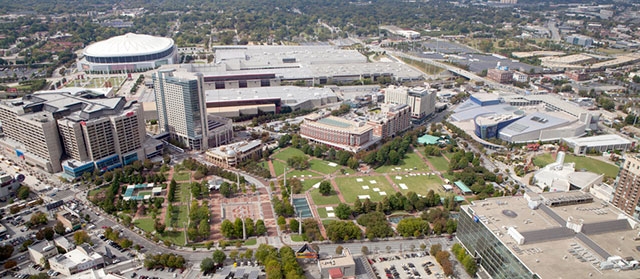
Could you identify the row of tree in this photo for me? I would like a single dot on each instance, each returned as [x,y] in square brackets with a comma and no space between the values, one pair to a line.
[234,229]
[279,264]
[164,260]
[465,259]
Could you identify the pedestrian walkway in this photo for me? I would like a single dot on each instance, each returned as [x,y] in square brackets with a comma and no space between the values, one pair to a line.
[314,209]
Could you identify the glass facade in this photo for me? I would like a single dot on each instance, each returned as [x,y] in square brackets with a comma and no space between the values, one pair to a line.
[495,258]
[131,59]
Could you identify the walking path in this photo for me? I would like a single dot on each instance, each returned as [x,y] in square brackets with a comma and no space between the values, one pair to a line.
[335,188]
[313,207]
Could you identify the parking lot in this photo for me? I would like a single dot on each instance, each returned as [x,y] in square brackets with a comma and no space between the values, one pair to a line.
[408,265]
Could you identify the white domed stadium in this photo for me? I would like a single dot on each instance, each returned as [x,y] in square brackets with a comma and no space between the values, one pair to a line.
[128,53]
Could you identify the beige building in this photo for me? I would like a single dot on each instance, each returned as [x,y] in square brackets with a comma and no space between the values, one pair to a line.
[338,132]
[627,189]
[69,220]
[421,100]
[64,243]
[77,260]
[229,156]
[42,250]
[338,267]
[392,119]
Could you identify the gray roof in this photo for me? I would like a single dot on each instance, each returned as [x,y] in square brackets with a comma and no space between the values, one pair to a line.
[532,122]
[288,94]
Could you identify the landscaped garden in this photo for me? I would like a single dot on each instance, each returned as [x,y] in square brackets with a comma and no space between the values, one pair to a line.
[582,162]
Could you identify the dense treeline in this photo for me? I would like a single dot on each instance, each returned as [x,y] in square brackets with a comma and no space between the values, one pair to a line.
[279,264]
[234,229]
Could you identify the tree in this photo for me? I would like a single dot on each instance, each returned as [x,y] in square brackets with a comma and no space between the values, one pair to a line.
[147,164]
[59,228]
[10,264]
[325,188]
[226,190]
[435,248]
[364,250]
[5,252]
[81,237]
[159,226]
[23,192]
[339,250]
[38,218]
[219,256]
[45,233]
[227,229]
[261,229]
[343,211]
[294,225]
[207,265]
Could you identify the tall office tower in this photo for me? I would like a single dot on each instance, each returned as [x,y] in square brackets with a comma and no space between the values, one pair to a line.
[626,196]
[421,100]
[180,101]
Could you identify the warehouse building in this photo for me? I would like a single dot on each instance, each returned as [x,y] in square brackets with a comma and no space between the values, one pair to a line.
[600,144]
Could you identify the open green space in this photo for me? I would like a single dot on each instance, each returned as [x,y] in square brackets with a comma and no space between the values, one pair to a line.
[411,162]
[288,153]
[296,238]
[142,194]
[448,155]
[251,241]
[420,184]
[323,166]
[175,237]
[351,188]
[146,224]
[590,164]
[182,176]
[319,199]
[184,192]
[322,212]
[178,217]
[301,174]
[97,82]
[439,162]
[278,166]
[95,192]
[309,182]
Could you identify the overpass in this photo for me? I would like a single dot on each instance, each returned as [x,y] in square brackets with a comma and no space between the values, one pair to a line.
[460,72]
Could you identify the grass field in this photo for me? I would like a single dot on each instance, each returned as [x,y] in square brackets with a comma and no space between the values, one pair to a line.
[184,192]
[319,199]
[410,162]
[323,166]
[420,184]
[97,82]
[590,164]
[179,217]
[142,194]
[350,188]
[251,241]
[448,155]
[299,173]
[278,167]
[176,237]
[308,183]
[322,212]
[96,191]
[440,163]
[182,176]
[296,238]
[288,153]
[146,224]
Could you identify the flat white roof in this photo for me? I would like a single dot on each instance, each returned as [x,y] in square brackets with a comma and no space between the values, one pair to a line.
[602,140]
[129,44]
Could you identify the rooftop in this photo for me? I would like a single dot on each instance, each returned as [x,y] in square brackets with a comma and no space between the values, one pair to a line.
[235,148]
[548,245]
[75,257]
[128,45]
[533,122]
[610,139]
[288,94]
[333,122]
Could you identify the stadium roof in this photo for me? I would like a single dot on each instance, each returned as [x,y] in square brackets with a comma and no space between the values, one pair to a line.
[129,45]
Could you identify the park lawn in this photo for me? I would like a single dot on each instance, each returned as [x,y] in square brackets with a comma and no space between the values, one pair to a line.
[182,176]
[288,153]
[176,237]
[411,161]
[322,212]
[322,166]
[278,166]
[348,170]
[420,184]
[309,182]
[184,192]
[582,162]
[179,217]
[142,194]
[296,238]
[95,192]
[146,224]
[251,241]
[351,189]
[440,163]
[319,199]
[448,155]
[301,174]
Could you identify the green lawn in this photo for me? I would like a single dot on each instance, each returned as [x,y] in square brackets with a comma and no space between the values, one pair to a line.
[278,167]
[296,238]
[288,153]
[322,212]
[142,194]
[440,163]
[448,155]
[176,237]
[182,176]
[590,164]
[319,199]
[309,182]
[420,184]
[323,166]
[410,162]
[298,173]
[184,192]
[251,241]
[146,224]
[179,217]
[96,191]
[351,189]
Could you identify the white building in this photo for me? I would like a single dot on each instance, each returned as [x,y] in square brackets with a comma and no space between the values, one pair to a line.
[520,77]
[421,100]
[42,250]
[600,144]
[80,259]
[561,177]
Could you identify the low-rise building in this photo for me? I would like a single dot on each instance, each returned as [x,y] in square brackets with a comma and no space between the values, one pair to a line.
[71,221]
[577,75]
[77,260]
[9,184]
[520,76]
[42,250]
[602,143]
[338,267]
[64,243]
[229,156]
[499,75]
